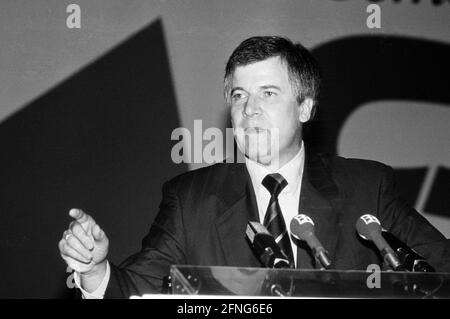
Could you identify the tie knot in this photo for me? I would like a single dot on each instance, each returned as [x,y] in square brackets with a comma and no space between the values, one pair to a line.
[274,183]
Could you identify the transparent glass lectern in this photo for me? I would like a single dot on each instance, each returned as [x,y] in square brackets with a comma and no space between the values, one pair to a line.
[233,281]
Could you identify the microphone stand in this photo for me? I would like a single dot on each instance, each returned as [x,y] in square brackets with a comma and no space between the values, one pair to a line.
[277,287]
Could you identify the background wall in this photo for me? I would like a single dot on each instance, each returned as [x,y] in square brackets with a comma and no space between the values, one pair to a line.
[86,114]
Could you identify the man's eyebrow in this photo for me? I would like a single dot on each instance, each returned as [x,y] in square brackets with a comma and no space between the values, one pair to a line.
[235,89]
[265,87]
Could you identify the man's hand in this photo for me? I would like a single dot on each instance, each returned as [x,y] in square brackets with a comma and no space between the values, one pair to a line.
[84,248]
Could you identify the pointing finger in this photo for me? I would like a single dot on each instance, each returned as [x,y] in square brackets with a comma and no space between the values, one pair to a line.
[79,215]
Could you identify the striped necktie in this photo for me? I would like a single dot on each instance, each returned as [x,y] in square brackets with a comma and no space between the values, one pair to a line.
[273,220]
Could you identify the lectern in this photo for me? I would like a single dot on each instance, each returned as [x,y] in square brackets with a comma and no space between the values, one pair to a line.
[303,283]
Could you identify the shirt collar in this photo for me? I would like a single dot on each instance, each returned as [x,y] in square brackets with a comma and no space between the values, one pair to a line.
[292,171]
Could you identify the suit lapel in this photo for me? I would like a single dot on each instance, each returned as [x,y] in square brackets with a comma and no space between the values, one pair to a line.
[237,206]
[320,200]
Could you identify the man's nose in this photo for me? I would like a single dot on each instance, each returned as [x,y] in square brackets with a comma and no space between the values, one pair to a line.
[252,107]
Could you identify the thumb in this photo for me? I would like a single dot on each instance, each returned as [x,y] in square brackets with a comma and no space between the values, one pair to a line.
[98,233]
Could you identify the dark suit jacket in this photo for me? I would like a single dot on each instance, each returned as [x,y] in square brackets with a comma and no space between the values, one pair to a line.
[204,213]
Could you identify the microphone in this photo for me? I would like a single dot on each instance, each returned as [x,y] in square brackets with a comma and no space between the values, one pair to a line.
[412,261]
[302,228]
[270,254]
[369,228]
[409,258]
[265,247]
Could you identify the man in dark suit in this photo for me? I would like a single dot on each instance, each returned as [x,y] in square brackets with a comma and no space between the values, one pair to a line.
[271,86]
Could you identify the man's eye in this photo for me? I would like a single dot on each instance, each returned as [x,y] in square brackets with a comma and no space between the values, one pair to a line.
[237,96]
[269,93]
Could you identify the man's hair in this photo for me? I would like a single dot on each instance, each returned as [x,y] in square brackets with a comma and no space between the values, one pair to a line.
[303,69]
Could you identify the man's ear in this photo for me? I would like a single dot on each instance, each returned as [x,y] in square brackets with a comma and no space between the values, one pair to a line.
[305,110]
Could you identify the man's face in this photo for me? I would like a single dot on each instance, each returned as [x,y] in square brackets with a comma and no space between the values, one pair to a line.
[265,113]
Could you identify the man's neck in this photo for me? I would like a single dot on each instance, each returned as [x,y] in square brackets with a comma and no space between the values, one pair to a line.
[276,164]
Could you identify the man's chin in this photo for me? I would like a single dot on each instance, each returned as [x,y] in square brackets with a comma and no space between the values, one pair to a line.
[260,159]
[260,153]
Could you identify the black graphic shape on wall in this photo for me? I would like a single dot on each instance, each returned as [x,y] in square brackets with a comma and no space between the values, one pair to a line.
[439,198]
[98,141]
[363,69]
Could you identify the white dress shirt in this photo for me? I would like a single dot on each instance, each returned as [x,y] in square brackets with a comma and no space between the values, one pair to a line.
[289,197]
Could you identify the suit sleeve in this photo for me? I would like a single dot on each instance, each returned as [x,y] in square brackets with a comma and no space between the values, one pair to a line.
[164,246]
[411,227]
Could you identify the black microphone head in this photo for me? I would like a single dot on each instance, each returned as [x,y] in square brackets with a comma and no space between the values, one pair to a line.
[368,226]
[302,227]
[265,247]
[254,228]
[411,259]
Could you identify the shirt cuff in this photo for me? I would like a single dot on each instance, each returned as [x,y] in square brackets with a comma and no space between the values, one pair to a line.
[100,291]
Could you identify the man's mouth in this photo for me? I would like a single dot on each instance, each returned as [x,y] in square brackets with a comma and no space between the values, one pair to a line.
[257,130]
